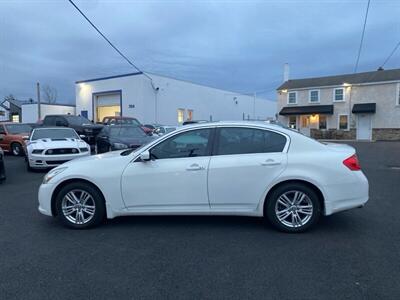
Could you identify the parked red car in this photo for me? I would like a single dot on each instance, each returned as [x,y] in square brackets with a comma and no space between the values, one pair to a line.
[13,137]
[115,120]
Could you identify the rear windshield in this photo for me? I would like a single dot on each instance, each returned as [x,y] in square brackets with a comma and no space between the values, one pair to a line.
[18,128]
[54,134]
[131,131]
[124,121]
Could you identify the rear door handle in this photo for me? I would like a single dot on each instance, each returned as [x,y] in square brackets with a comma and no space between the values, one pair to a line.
[195,167]
[270,162]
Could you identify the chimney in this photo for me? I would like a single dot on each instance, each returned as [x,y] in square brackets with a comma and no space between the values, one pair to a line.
[285,72]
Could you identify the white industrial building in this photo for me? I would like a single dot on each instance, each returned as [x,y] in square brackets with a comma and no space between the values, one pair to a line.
[30,112]
[165,100]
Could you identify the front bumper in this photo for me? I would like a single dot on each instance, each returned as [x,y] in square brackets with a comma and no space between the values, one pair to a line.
[44,196]
[344,196]
[49,161]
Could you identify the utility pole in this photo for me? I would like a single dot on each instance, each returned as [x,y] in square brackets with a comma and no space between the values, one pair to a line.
[254,105]
[38,99]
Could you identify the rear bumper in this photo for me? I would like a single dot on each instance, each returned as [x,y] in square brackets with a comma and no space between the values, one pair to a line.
[352,194]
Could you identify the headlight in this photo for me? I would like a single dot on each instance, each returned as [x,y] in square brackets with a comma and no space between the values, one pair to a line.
[88,130]
[53,173]
[37,151]
[119,146]
[84,149]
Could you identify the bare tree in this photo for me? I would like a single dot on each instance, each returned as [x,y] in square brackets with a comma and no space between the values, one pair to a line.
[9,97]
[49,94]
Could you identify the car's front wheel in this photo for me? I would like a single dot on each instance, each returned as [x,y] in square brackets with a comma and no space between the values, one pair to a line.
[80,205]
[293,207]
[16,149]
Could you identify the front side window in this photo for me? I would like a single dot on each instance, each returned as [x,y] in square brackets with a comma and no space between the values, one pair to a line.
[344,122]
[314,96]
[249,140]
[193,143]
[338,95]
[292,97]
[322,122]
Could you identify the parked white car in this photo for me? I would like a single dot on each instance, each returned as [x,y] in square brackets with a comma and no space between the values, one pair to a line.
[50,147]
[223,168]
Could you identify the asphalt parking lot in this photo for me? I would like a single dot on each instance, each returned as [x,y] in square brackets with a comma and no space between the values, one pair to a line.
[354,254]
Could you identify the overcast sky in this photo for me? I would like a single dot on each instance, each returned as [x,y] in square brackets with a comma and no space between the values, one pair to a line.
[234,45]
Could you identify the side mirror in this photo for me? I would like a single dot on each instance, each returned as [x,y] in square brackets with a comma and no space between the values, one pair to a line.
[145,155]
[82,136]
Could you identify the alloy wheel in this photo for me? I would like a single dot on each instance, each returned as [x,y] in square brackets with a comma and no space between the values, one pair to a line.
[78,206]
[294,209]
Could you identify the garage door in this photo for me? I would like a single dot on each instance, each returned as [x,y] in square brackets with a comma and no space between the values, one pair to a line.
[107,105]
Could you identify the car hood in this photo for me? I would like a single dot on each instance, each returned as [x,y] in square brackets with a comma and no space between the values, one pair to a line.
[132,140]
[56,144]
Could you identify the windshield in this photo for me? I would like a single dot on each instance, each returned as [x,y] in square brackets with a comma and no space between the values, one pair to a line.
[126,121]
[77,120]
[128,131]
[54,134]
[18,128]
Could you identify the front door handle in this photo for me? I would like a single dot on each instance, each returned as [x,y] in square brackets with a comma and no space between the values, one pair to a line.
[270,162]
[195,167]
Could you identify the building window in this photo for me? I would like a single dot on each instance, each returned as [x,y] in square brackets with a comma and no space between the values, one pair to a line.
[338,94]
[2,113]
[15,118]
[292,122]
[343,122]
[292,98]
[181,115]
[314,96]
[322,122]
[190,114]
[398,94]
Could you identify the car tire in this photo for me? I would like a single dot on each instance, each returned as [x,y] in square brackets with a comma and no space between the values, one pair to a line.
[16,149]
[293,207]
[80,214]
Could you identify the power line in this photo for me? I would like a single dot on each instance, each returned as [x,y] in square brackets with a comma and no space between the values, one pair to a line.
[362,37]
[108,41]
[391,54]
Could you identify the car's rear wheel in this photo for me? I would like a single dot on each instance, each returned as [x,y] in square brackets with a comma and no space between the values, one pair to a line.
[16,149]
[80,205]
[293,207]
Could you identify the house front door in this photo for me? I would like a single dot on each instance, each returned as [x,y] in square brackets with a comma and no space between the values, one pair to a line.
[305,125]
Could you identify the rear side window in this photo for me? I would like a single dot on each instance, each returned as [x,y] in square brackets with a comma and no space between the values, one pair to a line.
[50,121]
[248,140]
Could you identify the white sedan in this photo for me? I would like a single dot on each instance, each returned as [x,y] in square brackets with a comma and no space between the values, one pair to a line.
[224,168]
[50,147]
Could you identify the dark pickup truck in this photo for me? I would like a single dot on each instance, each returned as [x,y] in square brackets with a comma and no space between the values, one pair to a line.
[81,125]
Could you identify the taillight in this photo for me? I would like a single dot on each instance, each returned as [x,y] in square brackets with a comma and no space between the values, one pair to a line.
[352,163]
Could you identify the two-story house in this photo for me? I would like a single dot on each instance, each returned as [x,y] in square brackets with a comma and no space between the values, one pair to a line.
[363,106]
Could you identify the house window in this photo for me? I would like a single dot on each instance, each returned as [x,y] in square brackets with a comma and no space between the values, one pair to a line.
[292,122]
[292,97]
[181,115]
[314,96]
[322,122]
[343,122]
[2,113]
[15,118]
[398,95]
[190,114]
[338,94]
